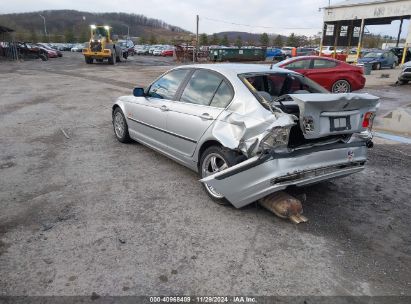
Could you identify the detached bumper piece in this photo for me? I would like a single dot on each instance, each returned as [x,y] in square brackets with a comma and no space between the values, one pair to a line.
[254,179]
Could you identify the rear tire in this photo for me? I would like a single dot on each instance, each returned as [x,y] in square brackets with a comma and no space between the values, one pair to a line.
[215,159]
[404,81]
[341,86]
[120,126]
[88,60]
[43,57]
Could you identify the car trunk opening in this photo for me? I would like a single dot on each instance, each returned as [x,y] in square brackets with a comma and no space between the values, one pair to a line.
[322,117]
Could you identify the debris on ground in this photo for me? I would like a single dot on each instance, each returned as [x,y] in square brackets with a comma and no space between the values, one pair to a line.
[284,206]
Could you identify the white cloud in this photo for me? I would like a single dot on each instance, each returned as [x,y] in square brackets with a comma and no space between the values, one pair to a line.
[282,17]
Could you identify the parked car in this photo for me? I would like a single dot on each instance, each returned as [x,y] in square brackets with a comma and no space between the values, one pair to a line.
[274,54]
[334,75]
[77,47]
[287,51]
[305,51]
[127,46]
[379,59]
[329,50]
[141,49]
[30,51]
[248,130]
[167,52]
[158,50]
[399,52]
[405,75]
[52,53]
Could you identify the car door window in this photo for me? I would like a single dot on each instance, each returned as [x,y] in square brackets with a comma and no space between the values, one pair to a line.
[223,96]
[323,64]
[201,88]
[166,87]
[298,65]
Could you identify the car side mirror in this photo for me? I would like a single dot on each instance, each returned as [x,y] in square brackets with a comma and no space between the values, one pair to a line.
[138,92]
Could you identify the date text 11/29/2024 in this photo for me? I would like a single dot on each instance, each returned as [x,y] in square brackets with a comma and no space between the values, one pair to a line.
[204,299]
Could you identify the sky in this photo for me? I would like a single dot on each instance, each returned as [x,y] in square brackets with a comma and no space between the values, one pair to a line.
[301,17]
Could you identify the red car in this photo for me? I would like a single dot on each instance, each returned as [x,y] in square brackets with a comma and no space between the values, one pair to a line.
[166,53]
[334,75]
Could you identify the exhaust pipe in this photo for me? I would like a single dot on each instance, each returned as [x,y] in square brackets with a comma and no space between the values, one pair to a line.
[284,206]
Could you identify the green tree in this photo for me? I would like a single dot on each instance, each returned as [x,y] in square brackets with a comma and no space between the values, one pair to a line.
[33,36]
[142,40]
[69,36]
[224,40]
[84,36]
[203,39]
[214,39]
[278,41]
[44,38]
[239,42]
[264,40]
[292,40]
[55,38]
[153,39]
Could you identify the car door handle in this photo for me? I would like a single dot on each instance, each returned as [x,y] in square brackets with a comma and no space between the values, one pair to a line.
[206,116]
[164,108]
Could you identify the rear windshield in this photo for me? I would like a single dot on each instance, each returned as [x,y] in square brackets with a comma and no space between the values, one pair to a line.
[277,84]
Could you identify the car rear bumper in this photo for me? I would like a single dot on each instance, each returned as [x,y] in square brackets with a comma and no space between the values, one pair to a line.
[253,179]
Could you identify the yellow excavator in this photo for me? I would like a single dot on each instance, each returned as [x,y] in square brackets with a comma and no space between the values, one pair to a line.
[102,45]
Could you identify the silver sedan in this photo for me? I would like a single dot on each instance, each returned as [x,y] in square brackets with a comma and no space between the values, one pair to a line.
[248,130]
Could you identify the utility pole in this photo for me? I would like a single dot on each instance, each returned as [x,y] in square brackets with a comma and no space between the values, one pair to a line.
[399,33]
[197,19]
[128,31]
[45,29]
[195,48]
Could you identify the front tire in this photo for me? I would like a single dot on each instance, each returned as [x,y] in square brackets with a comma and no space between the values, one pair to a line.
[215,159]
[112,59]
[88,60]
[341,86]
[120,126]
[377,66]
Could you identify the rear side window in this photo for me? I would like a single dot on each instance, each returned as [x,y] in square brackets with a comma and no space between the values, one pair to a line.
[201,88]
[324,64]
[298,65]
[223,96]
[167,86]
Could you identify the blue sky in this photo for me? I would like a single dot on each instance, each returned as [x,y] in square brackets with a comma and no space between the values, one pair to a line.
[256,16]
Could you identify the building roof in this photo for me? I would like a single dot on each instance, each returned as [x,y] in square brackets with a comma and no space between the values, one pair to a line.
[359,2]
[4,29]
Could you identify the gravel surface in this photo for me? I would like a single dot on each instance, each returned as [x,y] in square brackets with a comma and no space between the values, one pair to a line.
[83,213]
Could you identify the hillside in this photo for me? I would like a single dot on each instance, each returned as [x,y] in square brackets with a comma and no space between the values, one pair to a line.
[63,25]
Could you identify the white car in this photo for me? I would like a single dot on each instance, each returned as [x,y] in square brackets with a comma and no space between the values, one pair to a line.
[329,50]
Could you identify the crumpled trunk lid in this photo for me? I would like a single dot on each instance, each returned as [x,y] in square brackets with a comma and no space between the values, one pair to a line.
[323,115]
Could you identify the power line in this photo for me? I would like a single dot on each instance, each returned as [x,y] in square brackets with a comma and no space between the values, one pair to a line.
[259,26]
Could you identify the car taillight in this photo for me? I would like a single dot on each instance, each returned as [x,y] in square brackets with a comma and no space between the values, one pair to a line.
[368,120]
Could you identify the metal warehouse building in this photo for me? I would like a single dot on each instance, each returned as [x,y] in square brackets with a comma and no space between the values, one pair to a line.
[344,22]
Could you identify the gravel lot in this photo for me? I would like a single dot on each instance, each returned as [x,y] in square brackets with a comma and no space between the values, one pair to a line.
[87,214]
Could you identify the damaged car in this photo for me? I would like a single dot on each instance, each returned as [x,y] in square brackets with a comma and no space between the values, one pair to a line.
[249,130]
